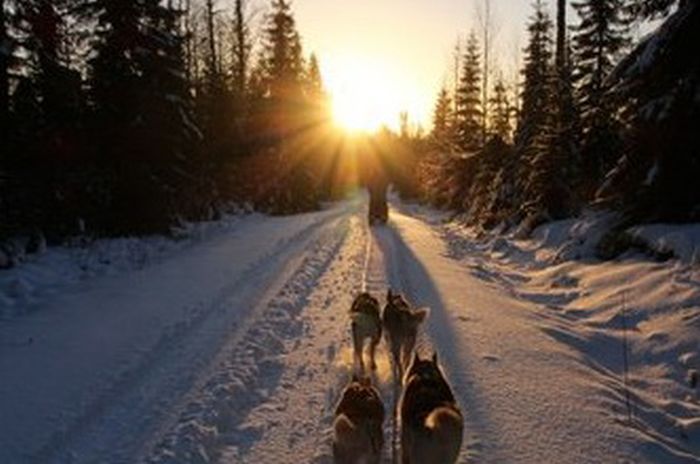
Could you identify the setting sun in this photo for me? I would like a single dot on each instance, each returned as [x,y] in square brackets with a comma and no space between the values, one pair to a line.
[366,94]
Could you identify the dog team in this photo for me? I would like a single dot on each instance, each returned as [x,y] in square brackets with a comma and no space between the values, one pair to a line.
[431,423]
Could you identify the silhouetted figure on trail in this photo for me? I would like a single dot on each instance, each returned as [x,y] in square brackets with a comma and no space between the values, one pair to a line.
[377,185]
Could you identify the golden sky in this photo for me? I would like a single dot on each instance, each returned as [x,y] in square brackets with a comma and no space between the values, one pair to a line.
[387,56]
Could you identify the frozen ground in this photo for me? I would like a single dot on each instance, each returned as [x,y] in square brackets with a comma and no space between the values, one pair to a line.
[235,347]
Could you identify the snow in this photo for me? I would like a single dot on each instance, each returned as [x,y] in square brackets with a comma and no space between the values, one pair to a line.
[49,272]
[232,345]
[682,241]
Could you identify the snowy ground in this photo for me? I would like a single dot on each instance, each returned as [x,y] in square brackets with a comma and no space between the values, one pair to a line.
[235,347]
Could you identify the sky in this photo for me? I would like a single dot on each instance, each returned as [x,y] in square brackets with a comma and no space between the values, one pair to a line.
[381,57]
[388,56]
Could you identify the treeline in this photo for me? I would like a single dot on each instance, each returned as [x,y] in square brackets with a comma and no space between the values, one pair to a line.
[127,116]
[597,121]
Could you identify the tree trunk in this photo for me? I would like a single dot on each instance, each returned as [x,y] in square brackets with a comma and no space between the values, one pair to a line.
[211,34]
[561,38]
[241,48]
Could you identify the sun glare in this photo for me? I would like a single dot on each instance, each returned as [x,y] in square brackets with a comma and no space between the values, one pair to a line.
[365,95]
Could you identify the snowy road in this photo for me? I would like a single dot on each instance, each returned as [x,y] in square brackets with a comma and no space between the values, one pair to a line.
[235,351]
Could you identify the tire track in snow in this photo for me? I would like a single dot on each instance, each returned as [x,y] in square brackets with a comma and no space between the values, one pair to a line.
[114,427]
[237,412]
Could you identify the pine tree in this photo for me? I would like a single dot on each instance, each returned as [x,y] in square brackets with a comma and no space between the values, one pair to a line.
[283,110]
[443,122]
[469,124]
[656,178]
[599,40]
[544,189]
[314,81]
[564,146]
[501,111]
[282,55]
[144,132]
[537,73]
[170,136]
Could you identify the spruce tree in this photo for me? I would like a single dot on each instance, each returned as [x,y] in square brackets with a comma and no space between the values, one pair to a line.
[540,169]
[564,143]
[314,81]
[656,178]
[537,73]
[500,111]
[599,40]
[170,135]
[282,55]
[144,129]
[284,112]
[468,99]
[443,122]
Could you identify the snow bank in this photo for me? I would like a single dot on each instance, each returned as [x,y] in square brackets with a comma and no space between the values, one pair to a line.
[635,306]
[36,277]
[682,241]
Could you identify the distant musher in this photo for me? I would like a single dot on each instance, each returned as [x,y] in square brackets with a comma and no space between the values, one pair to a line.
[377,186]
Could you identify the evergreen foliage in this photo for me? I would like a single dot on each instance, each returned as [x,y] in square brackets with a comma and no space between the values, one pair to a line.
[468,99]
[501,111]
[599,40]
[655,179]
[123,117]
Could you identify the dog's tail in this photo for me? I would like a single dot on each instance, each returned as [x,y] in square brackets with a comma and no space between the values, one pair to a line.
[351,443]
[343,427]
[446,426]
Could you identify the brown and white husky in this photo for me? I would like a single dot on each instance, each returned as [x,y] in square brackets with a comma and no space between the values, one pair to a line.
[359,417]
[366,324]
[431,422]
[401,323]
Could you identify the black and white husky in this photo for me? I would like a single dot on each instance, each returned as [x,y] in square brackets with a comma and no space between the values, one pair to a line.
[431,422]
[357,428]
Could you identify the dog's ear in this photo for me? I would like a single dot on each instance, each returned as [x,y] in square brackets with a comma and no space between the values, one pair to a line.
[435,358]
[421,314]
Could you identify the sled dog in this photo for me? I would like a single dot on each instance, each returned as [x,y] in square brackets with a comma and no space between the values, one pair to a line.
[431,422]
[357,428]
[366,324]
[401,323]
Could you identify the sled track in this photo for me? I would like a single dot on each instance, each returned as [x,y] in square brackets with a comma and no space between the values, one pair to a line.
[143,398]
[248,371]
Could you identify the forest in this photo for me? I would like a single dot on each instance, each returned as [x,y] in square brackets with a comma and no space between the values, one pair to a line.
[597,121]
[128,117]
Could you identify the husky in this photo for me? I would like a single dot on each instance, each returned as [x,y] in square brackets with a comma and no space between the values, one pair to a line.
[359,417]
[401,323]
[431,422]
[366,324]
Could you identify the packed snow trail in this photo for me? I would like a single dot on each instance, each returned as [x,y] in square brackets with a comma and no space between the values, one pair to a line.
[236,351]
[527,398]
[114,358]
